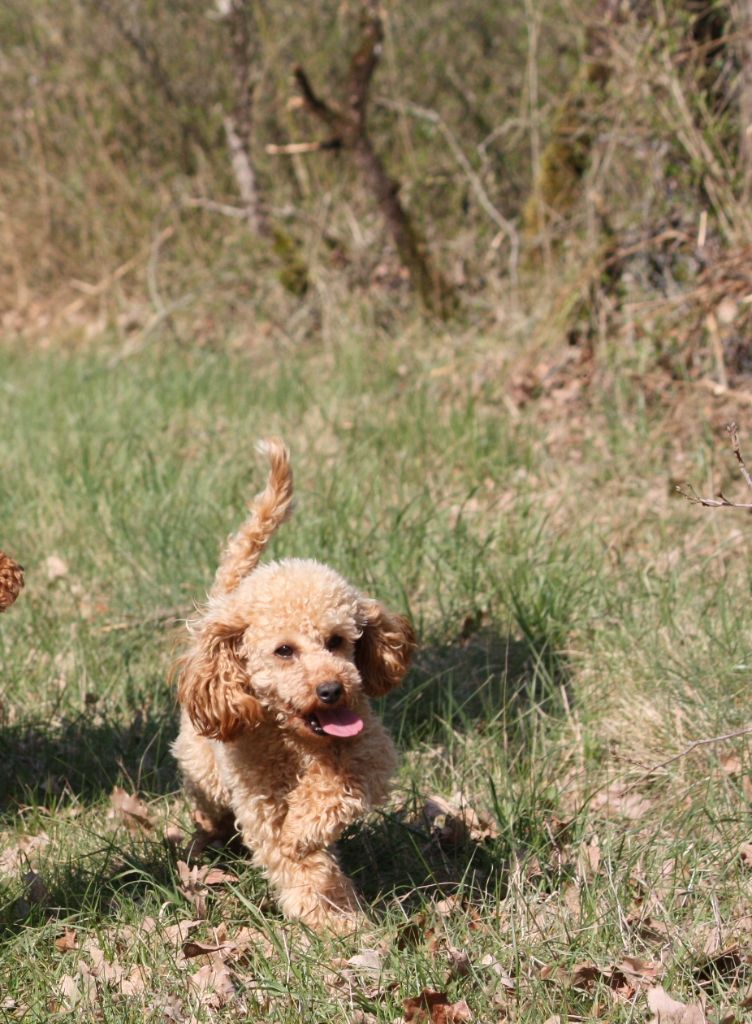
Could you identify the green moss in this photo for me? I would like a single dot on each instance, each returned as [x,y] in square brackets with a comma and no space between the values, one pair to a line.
[293,270]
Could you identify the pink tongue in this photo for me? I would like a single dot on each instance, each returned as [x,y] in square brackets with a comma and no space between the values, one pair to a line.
[339,722]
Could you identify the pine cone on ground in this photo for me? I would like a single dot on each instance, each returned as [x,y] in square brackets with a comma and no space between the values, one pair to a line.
[11,581]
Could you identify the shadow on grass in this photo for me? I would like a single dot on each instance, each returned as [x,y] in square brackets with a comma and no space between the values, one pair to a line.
[482,678]
[108,885]
[397,859]
[84,757]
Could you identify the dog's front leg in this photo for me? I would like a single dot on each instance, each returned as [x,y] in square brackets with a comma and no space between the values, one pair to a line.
[320,807]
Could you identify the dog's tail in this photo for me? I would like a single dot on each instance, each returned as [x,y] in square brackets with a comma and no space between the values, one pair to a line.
[268,511]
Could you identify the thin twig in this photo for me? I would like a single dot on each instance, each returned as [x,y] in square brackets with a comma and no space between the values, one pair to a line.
[708,741]
[101,286]
[733,431]
[160,615]
[293,148]
[312,100]
[688,491]
[506,226]
[200,203]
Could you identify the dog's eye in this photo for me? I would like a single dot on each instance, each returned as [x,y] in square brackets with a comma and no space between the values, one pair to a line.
[284,651]
[334,642]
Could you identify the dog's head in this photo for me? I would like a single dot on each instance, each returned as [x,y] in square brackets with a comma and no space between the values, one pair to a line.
[296,645]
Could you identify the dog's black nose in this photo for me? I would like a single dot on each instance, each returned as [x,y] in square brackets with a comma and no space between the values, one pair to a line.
[330,693]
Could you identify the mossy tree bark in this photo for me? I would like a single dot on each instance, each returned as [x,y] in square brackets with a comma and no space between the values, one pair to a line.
[566,156]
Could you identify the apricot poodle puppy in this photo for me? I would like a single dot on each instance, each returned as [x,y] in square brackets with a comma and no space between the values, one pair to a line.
[277,732]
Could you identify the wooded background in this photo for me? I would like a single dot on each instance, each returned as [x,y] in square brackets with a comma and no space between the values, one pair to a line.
[582,168]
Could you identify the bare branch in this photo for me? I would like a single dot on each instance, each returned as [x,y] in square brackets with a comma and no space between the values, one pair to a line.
[348,124]
[364,61]
[245,177]
[313,101]
[239,124]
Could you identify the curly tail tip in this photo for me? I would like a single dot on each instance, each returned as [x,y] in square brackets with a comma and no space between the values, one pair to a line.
[268,510]
[278,490]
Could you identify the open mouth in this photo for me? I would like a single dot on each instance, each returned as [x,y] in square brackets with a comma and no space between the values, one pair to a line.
[334,722]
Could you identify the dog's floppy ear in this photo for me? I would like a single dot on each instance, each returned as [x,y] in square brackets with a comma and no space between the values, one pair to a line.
[213,682]
[384,648]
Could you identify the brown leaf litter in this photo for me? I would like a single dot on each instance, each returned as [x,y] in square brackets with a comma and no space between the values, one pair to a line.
[669,1011]
[131,810]
[67,941]
[212,985]
[623,979]
[18,855]
[430,1007]
[195,882]
[454,821]
[621,800]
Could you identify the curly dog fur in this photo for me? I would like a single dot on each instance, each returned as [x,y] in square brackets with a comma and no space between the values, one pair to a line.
[277,731]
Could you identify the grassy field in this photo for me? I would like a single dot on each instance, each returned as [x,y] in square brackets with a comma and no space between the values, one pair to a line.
[580,627]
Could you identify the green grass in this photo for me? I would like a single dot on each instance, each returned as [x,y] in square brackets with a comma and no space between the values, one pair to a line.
[577,625]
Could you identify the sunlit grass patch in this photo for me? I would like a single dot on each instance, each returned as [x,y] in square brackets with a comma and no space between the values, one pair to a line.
[555,844]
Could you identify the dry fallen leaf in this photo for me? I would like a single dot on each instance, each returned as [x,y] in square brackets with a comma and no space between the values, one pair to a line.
[731,764]
[132,810]
[215,876]
[641,970]
[369,961]
[69,992]
[454,821]
[123,937]
[619,800]
[434,1008]
[137,981]
[459,962]
[176,934]
[67,941]
[669,1011]
[213,983]
[490,963]
[73,991]
[727,963]
[110,972]
[647,926]
[621,980]
[192,948]
[193,884]
[17,855]
[448,906]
